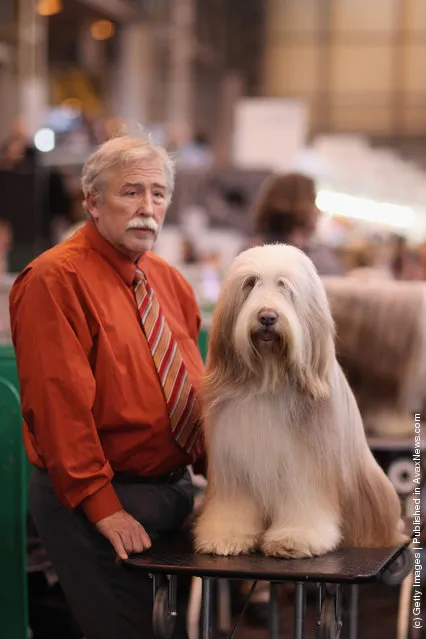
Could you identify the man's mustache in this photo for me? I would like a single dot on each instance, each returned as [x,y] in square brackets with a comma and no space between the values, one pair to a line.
[148,223]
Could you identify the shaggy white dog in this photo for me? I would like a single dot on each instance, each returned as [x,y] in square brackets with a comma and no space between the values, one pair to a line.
[289,468]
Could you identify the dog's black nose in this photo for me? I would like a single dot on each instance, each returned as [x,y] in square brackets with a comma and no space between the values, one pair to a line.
[267,318]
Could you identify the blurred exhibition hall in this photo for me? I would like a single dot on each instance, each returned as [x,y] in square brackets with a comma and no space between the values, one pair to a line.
[297,121]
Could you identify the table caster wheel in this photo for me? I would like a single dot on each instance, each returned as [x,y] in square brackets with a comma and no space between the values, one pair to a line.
[399,569]
[329,625]
[163,621]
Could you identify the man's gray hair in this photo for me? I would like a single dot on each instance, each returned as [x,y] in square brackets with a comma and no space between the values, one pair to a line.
[119,151]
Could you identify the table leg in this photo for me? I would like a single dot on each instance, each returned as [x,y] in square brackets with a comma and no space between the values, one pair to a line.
[353,612]
[299,610]
[404,612]
[156,583]
[207,627]
[274,612]
[224,616]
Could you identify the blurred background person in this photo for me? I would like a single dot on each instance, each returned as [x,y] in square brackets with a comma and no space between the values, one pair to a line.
[286,211]
[18,153]
[370,261]
[6,244]
[407,261]
[196,153]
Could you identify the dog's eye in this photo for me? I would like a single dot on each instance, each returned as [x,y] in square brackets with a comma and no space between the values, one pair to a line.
[286,287]
[250,282]
[283,284]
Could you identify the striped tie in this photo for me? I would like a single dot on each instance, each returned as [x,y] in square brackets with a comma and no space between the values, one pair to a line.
[182,404]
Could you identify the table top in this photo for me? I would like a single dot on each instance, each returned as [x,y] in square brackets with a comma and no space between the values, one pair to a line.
[175,555]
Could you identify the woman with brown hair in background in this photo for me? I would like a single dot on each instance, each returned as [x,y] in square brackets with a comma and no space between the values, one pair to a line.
[286,212]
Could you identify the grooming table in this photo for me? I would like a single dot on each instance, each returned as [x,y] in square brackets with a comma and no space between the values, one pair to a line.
[170,557]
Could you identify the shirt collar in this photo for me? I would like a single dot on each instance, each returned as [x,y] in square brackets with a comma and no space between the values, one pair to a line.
[122,264]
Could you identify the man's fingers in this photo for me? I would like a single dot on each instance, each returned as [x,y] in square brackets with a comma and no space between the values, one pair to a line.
[145,538]
[125,533]
[119,546]
[127,539]
[137,540]
[133,540]
[141,540]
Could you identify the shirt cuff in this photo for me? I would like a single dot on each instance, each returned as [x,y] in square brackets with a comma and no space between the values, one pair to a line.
[101,504]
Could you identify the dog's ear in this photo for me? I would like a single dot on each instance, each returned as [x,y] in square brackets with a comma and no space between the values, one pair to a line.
[222,363]
[319,351]
[221,350]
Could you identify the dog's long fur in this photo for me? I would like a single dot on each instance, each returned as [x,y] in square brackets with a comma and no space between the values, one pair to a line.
[289,468]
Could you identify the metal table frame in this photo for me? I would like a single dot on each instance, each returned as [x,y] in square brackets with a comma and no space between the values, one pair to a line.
[330,619]
[170,557]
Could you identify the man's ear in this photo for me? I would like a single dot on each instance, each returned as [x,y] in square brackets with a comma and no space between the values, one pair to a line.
[92,205]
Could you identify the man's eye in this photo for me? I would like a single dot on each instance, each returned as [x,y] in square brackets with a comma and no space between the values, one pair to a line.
[159,195]
[131,193]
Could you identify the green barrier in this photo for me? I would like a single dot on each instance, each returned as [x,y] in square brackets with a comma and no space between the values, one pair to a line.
[202,343]
[13,505]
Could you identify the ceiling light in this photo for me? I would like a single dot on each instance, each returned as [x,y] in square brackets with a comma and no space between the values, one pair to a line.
[102,29]
[361,208]
[44,140]
[48,7]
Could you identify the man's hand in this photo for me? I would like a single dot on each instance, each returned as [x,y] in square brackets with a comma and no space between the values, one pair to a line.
[125,533]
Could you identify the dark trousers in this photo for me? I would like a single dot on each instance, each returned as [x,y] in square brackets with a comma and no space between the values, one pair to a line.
[108,600]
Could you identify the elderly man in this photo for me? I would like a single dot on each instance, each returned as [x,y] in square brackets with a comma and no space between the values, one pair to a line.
[105,335]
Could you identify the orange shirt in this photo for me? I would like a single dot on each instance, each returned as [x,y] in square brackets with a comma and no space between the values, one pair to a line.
[90,394]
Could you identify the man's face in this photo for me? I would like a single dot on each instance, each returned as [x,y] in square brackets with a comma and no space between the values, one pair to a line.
[130,210]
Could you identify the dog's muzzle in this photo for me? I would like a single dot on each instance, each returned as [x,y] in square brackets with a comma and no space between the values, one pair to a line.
[265,332]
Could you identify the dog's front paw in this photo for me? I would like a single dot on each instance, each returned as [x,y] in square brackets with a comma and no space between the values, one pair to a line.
[288,547]
[296,544]
[225,544]
[228,526]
